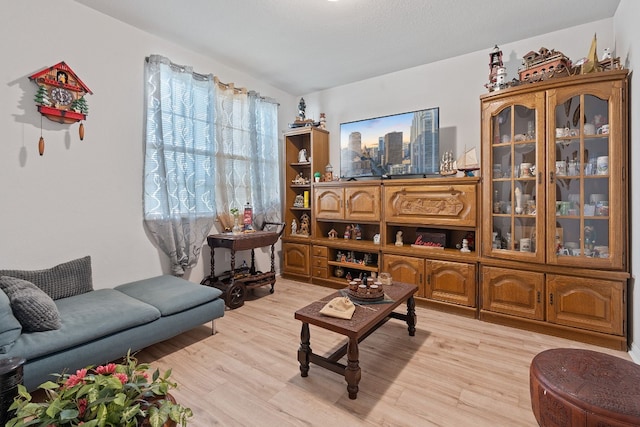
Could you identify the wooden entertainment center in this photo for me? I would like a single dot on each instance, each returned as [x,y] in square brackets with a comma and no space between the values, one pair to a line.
[547,224]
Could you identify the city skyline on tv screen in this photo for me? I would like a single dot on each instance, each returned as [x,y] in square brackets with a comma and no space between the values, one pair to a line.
[398,144]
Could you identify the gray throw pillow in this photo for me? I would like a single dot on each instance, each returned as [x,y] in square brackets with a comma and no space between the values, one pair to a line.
[34,309]
[62,281]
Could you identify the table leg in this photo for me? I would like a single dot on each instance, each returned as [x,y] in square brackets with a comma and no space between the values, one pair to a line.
[213,263]
[304,351]
[352,372]
[411,316]
[252,270]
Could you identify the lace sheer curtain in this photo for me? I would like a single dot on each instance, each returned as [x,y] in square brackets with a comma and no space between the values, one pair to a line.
[208,148]
[247,168]
[179,190]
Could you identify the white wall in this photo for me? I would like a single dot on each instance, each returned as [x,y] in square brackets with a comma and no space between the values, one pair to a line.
[84,197]
[627,36]
[454,85]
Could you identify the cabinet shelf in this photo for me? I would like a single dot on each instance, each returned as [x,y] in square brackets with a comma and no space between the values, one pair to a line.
[307,186]
[301,165]
[348,244]
[353,265]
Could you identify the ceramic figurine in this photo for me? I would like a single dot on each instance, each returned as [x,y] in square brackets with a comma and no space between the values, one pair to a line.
[518,194]
[357,232]
[399,238]
[347,232]
[333,234]
[294,226]
[302,156]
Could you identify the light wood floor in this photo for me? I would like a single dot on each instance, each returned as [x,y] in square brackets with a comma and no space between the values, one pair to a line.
[455,371]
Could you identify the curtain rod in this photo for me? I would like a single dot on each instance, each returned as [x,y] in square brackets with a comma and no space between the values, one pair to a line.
[216,80]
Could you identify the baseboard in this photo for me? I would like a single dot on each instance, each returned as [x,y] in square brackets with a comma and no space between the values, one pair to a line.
[634,352]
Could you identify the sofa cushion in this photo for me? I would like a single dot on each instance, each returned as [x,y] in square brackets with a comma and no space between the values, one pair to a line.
[85,318]
[34,309]
[10,328]
[170,294]
[62,281]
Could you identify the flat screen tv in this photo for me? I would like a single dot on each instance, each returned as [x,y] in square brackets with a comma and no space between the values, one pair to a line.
[400,145]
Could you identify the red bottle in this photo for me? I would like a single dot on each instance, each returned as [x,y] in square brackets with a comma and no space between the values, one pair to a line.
[248,217]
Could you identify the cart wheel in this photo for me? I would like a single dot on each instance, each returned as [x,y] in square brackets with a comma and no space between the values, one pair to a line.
[234,296]
[207,281]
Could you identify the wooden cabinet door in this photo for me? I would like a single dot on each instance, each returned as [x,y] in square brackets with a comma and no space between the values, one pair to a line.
[514,292]
[431,204]
[453,282]
[296,259]
[328,203]
[587,303]
[405,269]
[362,203]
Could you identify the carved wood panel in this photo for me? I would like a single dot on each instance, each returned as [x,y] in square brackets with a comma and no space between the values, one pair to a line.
[433,204]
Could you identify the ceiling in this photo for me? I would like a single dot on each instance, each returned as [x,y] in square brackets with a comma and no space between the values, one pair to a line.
[302,46]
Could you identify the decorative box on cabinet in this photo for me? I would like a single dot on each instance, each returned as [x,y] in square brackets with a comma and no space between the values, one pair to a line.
[547,203]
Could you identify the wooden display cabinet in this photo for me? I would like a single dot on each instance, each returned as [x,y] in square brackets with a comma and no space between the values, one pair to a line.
[555,213]
[299,188]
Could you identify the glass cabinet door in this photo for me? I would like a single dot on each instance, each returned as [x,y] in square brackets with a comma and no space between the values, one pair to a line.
[517,165]
[582,163]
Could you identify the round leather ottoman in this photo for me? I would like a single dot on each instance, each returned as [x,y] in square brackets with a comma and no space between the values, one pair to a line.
[572,387]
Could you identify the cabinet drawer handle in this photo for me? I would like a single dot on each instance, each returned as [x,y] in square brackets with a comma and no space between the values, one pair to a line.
[538,297]
[420,278]
[551,177]
[550,299]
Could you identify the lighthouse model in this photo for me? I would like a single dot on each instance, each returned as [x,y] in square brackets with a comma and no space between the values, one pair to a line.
[496,70]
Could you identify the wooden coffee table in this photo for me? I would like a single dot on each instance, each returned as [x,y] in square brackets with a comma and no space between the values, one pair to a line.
[366,319]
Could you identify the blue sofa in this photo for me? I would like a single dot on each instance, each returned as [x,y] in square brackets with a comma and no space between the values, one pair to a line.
[98,326]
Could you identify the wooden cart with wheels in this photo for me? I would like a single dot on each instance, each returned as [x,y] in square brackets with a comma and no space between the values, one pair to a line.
[237,281]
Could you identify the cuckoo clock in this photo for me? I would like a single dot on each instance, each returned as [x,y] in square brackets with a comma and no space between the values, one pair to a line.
[60,96]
